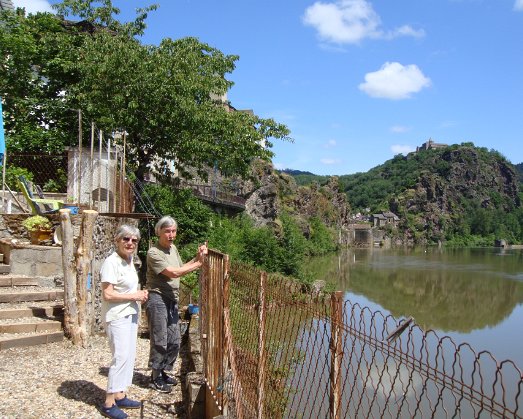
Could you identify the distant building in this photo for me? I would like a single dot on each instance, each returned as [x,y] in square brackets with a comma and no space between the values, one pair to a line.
[385,218]
[430,145]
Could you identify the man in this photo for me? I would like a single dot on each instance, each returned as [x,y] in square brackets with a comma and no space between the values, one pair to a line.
[164,270]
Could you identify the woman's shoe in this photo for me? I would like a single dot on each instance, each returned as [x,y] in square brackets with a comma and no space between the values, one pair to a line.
[113,412]
[127,403]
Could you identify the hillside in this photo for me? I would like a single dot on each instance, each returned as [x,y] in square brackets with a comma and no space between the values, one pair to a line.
[445,194]
[519,170]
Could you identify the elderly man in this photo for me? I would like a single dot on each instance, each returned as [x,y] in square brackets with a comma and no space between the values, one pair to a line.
[164,270]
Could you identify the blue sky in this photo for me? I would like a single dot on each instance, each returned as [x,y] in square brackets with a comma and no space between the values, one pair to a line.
[359,81]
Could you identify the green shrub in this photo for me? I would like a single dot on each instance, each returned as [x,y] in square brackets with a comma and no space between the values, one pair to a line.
[12,173]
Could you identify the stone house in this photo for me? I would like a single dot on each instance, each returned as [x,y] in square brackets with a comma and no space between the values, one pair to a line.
[430,145]
[385,218]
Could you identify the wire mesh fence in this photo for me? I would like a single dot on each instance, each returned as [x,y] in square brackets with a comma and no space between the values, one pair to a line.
[273,348]
[92,179]
[45,170]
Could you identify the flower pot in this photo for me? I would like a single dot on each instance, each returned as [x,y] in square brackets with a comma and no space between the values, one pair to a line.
[38,236]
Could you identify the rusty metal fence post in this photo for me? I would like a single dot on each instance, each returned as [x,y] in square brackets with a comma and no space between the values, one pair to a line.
[261,345]
[336,354]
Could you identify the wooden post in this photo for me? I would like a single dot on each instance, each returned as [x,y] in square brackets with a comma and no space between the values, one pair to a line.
[68,263]
[100,144]
[123,173]
[80,145]
[336,348]
[76,271]
[261,346]
[91,180]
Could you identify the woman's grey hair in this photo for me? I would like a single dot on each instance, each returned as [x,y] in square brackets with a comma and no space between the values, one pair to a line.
[125,230]
[164,222]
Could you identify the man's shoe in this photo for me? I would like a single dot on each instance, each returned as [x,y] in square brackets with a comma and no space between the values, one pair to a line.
[127,403]
[160,385]
[113,412]
[168,379]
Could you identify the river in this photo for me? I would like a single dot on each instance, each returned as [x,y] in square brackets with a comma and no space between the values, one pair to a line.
[471,295]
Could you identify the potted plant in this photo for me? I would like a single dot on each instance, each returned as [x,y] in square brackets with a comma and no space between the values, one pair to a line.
[39,228]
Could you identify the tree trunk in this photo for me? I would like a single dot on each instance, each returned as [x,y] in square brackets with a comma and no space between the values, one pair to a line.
[76,274]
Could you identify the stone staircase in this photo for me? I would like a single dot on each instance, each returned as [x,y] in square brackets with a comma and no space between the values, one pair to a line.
[31,313]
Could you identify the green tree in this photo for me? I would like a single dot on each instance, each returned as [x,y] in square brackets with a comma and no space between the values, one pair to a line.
[33,51]
[163,96]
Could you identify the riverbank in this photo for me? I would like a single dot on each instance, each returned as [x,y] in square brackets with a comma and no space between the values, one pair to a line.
[59,380]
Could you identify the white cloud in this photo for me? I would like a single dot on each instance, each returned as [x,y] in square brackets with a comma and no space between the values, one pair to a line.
[405,30]
[330,162]
[402,149]
[34,6]
[399,129]
[350,21]
[448,124]
[394,81]
[518,6]
[330,144]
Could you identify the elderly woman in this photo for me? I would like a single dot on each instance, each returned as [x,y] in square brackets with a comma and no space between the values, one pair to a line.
[164,270]
[120,308]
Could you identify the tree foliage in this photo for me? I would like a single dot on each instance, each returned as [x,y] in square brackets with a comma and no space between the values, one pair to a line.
[164,97]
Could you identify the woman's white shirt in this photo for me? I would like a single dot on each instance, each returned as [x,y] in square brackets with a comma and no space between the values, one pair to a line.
[122,275]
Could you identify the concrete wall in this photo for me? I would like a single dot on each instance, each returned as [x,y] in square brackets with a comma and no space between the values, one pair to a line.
[31,260]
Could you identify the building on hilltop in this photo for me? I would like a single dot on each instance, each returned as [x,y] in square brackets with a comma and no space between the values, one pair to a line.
[430,145]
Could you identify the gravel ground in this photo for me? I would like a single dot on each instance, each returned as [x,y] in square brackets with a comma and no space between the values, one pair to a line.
[59,380]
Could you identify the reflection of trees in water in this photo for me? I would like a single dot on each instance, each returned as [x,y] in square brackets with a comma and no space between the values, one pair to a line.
[466,293]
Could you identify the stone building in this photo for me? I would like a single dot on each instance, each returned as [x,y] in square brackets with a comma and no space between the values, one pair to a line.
[430,145]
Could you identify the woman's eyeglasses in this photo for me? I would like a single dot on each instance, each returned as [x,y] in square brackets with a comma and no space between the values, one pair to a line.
[130,239]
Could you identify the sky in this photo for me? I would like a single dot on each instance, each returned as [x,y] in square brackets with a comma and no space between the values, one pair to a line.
[358,81]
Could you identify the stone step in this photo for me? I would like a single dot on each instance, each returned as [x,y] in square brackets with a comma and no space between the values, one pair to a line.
[18,281]
[16,341]
[15,296]
[31,327]
[42,312]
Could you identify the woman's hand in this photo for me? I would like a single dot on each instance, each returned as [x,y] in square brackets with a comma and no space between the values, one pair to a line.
[141,296]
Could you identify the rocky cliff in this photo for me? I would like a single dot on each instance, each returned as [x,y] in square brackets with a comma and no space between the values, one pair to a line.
[268,193]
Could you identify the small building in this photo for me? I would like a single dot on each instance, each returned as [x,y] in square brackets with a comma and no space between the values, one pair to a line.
[385,218]
[430,145]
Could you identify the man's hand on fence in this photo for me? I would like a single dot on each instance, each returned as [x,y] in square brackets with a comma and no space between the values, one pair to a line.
[202,252]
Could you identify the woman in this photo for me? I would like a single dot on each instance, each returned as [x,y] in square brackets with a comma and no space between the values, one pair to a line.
[120,309]
[164,270]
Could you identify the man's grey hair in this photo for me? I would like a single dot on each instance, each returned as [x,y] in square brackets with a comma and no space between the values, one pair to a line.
[165,222]
[125,230]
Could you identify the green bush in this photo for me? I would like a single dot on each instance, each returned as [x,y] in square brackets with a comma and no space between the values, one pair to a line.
[193,216]
[322,239]
[282,250]
[12,174]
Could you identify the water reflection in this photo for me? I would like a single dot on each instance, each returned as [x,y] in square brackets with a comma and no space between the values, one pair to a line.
[452,290]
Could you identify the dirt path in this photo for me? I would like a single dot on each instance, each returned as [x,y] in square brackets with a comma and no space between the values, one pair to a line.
[59,380]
